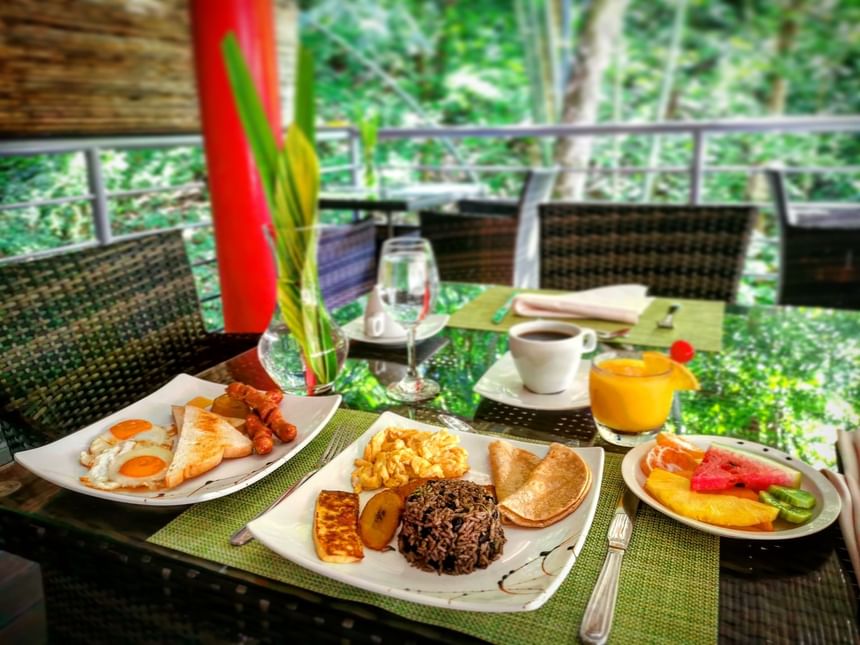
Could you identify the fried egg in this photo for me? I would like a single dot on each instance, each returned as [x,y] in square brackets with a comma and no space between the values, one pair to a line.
[137,429]
[129,464]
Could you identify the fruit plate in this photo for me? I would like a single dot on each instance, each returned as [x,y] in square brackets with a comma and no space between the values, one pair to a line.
[827,504]
[533,564]
[58,461]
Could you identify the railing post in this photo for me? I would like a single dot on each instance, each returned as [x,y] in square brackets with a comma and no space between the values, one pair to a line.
[357,170]
[101,217]
[697,165]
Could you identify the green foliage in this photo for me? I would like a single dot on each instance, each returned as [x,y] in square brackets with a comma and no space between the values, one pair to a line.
[368,132]
[305,98]
[786,377]
[251,113]
[464,62]
[774,384]
[291,178]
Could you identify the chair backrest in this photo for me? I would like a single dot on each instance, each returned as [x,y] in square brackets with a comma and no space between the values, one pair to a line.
[347,261]
[680,251]
[87,332]
[472,248]
[819,261]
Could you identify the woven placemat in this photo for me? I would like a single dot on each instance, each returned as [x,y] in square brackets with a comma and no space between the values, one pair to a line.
[669,588]
[699,322]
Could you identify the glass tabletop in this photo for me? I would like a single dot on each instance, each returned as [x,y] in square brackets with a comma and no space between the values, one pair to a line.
[786,377]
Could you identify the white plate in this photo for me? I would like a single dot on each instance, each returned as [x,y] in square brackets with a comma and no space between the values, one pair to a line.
[502,383]
[827,505]
[533,564]
[432,325]
[58,461]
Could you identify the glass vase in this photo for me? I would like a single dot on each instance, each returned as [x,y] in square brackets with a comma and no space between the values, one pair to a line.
[284,361]
[307,359]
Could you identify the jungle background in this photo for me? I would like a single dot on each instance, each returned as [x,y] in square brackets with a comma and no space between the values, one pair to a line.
[503,62]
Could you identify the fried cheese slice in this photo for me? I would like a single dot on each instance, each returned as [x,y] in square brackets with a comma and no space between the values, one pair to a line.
[336,537]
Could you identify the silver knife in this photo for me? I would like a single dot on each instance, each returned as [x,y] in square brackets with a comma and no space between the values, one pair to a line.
[502,311]
[597,620]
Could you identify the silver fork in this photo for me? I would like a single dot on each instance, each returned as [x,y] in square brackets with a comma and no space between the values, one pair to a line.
[338,442]
[609,336]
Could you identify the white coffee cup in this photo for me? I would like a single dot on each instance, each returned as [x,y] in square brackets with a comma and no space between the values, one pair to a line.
[547,354]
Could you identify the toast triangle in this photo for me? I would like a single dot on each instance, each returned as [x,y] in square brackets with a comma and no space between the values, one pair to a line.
[205,439]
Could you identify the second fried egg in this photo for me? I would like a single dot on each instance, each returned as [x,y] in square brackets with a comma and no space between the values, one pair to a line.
[129,464]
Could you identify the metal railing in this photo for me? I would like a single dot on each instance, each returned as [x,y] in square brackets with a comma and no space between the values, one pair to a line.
[699,132]
[99,197]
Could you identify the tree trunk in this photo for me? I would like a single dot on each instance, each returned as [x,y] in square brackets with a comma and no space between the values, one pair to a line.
[665,95]
[778,95]
[544,27]
[582,93]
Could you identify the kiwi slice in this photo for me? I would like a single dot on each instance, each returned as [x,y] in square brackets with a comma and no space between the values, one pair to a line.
[793,496]
[786,511]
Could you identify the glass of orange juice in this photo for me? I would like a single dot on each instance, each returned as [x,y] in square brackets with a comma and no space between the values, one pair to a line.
[631,395]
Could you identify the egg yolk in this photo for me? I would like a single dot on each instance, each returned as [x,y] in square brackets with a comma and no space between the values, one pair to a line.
[127,429]
[144,466]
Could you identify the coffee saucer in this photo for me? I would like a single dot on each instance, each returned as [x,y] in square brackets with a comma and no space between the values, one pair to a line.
[502,383]
[432,325]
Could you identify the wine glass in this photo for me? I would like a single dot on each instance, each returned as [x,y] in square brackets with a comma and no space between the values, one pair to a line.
[409,284]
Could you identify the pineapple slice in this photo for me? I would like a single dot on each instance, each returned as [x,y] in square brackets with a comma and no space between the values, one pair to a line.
[673,491]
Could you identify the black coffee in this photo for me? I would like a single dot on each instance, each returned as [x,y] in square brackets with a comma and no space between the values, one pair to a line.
[545,335]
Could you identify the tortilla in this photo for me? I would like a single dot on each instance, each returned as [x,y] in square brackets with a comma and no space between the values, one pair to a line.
[510,467]
[555,488]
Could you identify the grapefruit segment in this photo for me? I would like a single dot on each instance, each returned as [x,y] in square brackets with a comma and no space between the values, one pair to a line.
[678,442]
[667,458]
[683,378]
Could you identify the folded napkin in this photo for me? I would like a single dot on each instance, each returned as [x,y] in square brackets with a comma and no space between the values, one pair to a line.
[847,484]
[618,303]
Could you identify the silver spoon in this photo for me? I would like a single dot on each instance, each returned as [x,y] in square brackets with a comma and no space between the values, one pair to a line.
[667,322]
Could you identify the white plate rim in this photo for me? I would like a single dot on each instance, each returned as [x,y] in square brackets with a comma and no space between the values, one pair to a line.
[31,459]
[543,402]
[432,325]
[829,503]
[260,528]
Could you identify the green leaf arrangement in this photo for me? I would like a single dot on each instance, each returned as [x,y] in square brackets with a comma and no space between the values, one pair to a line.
[291,179]
[368,132]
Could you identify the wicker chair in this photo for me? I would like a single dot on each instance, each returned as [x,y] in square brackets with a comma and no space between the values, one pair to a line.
[678,251]
[347,261]
[472,248]
[86,333]
[495,241]
[819,253]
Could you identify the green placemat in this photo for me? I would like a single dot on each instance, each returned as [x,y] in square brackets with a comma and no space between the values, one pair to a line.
[699,321]
[669,588]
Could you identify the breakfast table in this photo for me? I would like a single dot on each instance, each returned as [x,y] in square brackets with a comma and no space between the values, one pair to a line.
[781,376]
[402,199]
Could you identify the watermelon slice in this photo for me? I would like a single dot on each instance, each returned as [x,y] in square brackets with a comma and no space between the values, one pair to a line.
[724,467]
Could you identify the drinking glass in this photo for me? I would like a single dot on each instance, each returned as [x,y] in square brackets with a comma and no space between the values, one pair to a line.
[409,283]
[629,400]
